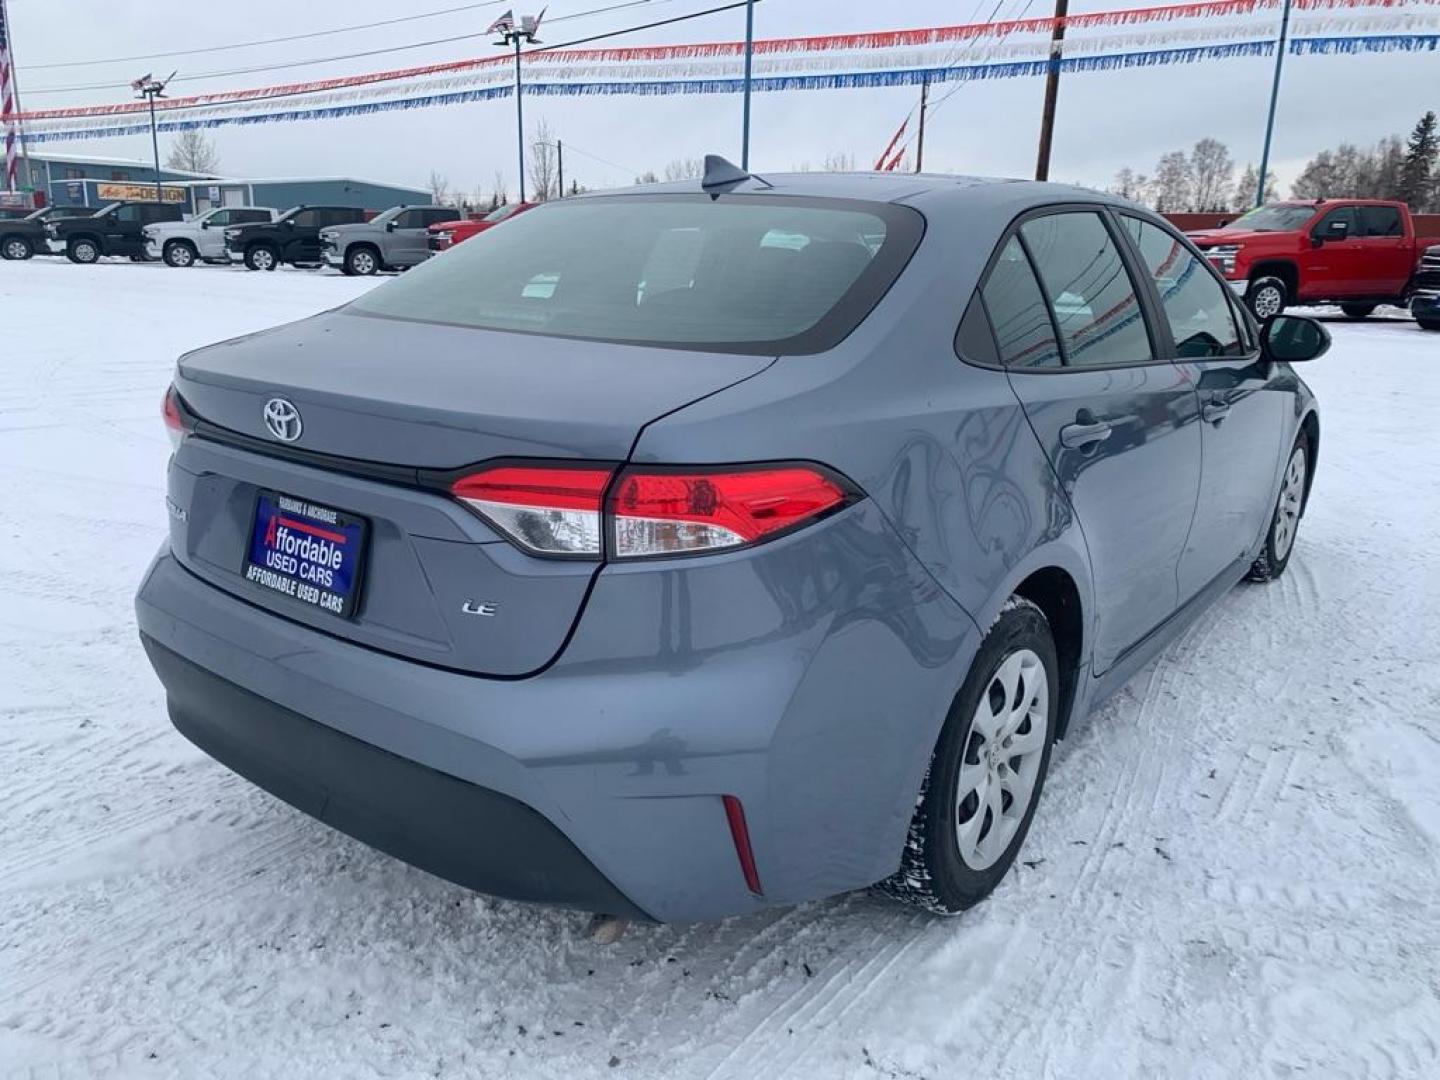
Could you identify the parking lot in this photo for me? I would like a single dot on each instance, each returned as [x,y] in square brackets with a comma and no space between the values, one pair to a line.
[1235,870]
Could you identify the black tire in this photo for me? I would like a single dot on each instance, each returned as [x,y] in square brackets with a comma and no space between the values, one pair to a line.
[361,261]
[16,248]
[1358,311]
[261,257]
[179,254]
[82,250]
[1429,324]
[1267,297]
[933,872]
[1285,521]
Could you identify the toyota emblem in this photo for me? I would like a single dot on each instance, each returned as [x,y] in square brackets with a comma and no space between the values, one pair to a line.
[283,419]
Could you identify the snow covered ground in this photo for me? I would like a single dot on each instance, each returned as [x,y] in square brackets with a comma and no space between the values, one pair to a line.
[1235,871]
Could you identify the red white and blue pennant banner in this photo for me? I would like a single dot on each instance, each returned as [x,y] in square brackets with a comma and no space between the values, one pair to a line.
[1140,37]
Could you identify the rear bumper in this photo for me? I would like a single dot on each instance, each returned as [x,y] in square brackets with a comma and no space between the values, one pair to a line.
[54,247]
[1425,305]
[458,831]
[808,678]
[231,255]
[332,258]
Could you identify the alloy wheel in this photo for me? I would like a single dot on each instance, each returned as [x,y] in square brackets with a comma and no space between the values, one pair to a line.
[1292,492]
[363,263]
[16,249]
[1003,755]
[1267,301]
[263,259]
[86,252]
[180,255]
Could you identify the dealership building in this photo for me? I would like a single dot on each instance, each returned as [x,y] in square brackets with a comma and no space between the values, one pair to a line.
[92,180]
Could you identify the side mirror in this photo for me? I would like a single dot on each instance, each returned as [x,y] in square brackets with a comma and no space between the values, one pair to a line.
[1336,230]
[1291,339]
[390,225]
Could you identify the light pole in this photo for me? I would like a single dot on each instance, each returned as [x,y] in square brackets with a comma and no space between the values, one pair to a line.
[149,89]
[514,35]
[749,51]
[1274,100]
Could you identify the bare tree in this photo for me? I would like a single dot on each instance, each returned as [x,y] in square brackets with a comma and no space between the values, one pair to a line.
[684,169]
[543,168]
[1174,183]
[840,161]
[1129,184]
[1243,197]
[193,152]
[500,195]
[439,188]
[1213,175]
[647,177]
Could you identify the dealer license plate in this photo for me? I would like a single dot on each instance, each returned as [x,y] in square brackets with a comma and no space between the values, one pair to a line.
[310,553]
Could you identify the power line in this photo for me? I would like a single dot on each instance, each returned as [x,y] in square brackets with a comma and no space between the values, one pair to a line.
[265,41]
[370,52]
[544,48]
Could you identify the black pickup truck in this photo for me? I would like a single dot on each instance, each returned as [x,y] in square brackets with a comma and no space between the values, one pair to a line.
[116,229]
[292,238]
[24,235]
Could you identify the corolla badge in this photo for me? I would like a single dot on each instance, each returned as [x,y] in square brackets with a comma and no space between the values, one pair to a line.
[283,419]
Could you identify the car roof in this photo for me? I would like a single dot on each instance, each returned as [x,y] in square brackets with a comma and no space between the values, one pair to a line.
[927,191]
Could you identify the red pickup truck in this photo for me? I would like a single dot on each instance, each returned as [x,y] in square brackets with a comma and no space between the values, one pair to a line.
[1358,253]
[446,234]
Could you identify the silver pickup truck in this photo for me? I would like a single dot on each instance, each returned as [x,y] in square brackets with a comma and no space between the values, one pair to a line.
[201,238]
[393,240]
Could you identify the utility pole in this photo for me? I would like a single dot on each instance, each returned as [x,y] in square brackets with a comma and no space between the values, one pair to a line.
[1274,100]
[749,51]
[149,89]
[560,164]
[512,34]
[1052,91]
[920,139]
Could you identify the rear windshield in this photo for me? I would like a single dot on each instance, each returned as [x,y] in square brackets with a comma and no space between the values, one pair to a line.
[741,273]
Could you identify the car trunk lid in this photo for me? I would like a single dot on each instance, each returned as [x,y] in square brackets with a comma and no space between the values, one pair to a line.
[386,407]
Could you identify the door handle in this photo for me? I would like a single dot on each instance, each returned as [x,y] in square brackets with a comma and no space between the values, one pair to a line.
[1215,410]
[1086,431]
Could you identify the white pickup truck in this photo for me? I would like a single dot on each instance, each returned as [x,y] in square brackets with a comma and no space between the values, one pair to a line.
[202,238]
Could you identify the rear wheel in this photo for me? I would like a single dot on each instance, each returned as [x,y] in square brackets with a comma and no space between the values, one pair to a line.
[1358,311]
[179,253]
[1267,297]
[261,257]
[16,248]
[361,262]
[1280,540]
[1429,324]
[82,251]
[987,771]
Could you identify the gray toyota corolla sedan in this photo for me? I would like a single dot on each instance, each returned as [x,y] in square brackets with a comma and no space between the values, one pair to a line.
[709,546]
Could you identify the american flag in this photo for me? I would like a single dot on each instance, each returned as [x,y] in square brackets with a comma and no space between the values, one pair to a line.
[8,113]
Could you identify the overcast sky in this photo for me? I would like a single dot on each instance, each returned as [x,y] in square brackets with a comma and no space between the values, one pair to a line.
[1105,120]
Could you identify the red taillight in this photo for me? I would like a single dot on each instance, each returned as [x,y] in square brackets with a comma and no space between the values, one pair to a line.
[740,835]
[675,512]
[561,510]
[549,511]
[174,422]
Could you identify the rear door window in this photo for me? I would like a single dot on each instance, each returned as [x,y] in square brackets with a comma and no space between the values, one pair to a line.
[1201,319]
[248,217]
[1019,317]
[1381,221]
[1090,292]
[746,273]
